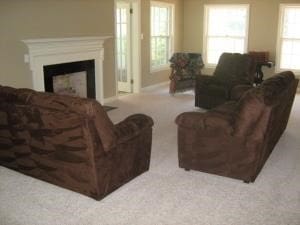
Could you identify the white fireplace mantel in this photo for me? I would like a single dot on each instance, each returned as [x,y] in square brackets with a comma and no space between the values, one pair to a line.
[43,52]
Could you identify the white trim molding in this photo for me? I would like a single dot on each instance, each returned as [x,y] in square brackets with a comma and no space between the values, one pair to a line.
[52,51]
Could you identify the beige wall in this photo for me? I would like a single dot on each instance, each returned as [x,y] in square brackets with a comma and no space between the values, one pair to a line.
[32,19]
[149,78]
[262,25]
[51,19]
[70,18]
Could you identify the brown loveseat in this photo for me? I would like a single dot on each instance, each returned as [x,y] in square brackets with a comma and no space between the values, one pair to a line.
[236,138]
[71,142]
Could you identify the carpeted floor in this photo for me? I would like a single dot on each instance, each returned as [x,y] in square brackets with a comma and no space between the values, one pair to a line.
[166,194]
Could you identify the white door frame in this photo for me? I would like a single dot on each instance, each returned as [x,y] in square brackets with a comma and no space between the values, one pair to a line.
[135,47]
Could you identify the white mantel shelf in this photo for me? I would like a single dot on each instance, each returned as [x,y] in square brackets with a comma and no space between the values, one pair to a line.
[49,51]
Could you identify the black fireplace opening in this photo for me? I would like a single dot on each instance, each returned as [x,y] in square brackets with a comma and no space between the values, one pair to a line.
[74,78]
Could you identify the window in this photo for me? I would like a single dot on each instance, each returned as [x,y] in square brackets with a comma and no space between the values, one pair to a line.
[225,30]
[161,34]
[288,48]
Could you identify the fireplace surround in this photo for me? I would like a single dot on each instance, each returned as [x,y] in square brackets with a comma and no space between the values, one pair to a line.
[45,52]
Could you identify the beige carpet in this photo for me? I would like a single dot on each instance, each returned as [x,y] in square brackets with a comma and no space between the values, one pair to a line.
[166,194]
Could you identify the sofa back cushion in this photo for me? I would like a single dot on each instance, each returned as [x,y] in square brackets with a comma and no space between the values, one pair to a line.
[277,86]
[279,93]
[259,106]
[88,109]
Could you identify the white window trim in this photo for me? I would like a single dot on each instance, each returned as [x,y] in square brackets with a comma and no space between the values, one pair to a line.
[282,7]
[172,21]
[205,28]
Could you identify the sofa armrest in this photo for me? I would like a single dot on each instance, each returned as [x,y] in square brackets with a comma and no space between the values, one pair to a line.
[205,121]
[238,91]
[132,126]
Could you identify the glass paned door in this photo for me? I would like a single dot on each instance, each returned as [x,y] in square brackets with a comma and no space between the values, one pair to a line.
[123,45]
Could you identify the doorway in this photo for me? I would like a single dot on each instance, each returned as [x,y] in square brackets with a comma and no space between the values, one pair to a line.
[128,37]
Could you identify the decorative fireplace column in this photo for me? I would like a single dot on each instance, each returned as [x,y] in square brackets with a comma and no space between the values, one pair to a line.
[43,52]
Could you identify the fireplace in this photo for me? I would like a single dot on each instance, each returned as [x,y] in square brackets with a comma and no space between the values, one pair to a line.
[49,55]
[74,78]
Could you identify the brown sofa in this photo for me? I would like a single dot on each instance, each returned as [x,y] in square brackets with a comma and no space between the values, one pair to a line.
[71,142]
[236,138]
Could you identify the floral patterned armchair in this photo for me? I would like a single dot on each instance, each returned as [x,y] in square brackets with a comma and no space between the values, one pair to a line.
[185,67]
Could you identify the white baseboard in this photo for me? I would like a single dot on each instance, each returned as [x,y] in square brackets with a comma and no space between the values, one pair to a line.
[155,86]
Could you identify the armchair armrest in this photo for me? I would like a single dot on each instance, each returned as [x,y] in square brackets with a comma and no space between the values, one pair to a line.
[132,126]
[205,121]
